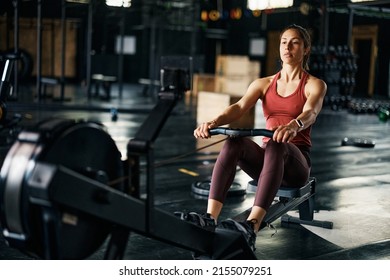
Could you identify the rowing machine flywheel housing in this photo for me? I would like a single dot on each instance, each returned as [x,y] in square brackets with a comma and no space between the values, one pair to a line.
[82,146]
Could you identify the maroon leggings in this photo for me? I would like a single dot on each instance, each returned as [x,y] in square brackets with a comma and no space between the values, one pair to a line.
[271,166]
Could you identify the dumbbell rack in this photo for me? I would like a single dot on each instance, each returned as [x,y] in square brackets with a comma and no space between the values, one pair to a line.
[336,65]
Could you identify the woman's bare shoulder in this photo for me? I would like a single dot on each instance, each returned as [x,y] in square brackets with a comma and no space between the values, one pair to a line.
[263,82]
[267,79]
[314,80]
[315,84]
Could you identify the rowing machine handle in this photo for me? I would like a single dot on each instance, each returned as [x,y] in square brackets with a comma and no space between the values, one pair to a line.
[241,132]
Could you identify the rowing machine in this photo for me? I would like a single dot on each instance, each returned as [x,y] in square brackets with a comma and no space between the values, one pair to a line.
[64,190]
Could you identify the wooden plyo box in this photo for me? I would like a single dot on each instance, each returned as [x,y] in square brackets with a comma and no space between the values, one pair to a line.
[211,104]
[232,65]
[237,65]
[233,85]
[203,82]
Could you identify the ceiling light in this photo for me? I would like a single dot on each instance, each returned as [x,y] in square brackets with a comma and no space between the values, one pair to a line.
[118,3]
[269,4]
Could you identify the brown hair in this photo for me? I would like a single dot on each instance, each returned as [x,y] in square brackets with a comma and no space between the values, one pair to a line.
[305,36]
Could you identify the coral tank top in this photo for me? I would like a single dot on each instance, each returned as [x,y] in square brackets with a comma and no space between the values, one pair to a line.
[279,110]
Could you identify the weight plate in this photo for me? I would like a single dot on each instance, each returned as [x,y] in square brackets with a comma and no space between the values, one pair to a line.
[202,188]
[252,186]
[358,142]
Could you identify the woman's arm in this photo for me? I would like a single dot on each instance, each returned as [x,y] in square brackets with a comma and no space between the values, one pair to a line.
[236,110]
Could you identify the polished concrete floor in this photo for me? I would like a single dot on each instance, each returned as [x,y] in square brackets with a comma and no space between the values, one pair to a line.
[353,183]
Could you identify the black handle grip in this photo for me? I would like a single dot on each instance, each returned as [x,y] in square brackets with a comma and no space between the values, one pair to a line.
[242,132]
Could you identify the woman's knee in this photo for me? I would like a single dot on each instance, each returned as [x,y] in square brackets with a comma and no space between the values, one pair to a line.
[275,147]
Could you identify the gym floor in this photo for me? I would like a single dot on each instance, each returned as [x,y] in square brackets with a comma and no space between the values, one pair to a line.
[353,182]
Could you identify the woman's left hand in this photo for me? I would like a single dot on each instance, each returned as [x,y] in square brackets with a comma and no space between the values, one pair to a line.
[284,133]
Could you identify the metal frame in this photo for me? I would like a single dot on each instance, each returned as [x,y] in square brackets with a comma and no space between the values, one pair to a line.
[289,199]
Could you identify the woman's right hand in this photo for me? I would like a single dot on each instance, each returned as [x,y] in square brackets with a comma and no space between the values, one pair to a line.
[203,130]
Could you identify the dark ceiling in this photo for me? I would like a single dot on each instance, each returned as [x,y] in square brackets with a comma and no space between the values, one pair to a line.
[52,8]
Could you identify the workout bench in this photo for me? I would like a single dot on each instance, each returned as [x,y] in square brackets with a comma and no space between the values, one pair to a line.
[48,81]
[105,82]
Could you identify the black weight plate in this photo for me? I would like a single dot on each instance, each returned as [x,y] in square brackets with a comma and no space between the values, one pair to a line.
[202,188]
[252,186]
[358,142]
